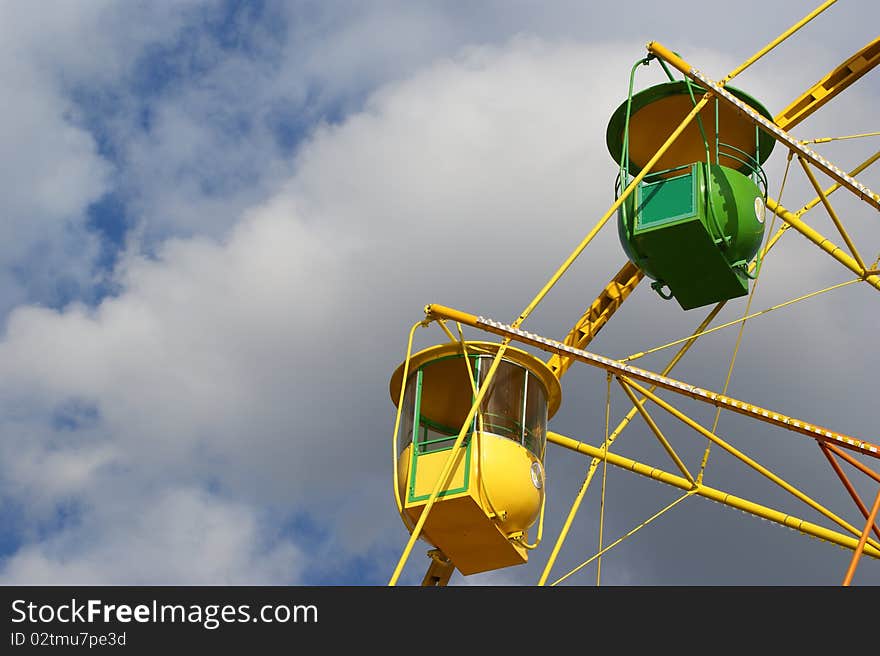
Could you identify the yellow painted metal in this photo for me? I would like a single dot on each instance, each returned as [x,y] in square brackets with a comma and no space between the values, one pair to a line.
[591,470]
[394,450]
[664,53]
[822,242]
[564,350]
[505,470]
[516,500]
[524,539]
[713,398]
[571,515]
[772,308]
[656,430]
[856,187]
[622,425]
[604,477]
[439,570]
[830,190]
[598,314]
[841,138]
[593,319]
[447,331]
[449,378]
[475,535]
[605,550]
[830,85]
[834,217]
[775,238]
[454,454]
[649,165]
[670,57]
[488,505]
[649,126]
[713,494]
[481,507]
[429,467]
[678,414]
[779,39]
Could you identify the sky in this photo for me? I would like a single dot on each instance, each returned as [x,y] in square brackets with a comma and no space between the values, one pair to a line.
[221,219]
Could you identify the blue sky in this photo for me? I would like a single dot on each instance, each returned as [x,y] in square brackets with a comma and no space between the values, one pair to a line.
[222,218]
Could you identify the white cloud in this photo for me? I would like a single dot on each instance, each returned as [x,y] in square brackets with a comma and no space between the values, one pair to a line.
[230,360]
[255,360]
[52,172]
[180,536]
[53,169]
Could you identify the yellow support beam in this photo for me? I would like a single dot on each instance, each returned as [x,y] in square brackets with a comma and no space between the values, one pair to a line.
[626,535]
[861,167]
[439,571]
[648,471]
[779,39]
[594,463]
[739,455]
[618,368]
[830,85]
[598,314]
[657,432]
[667,55]
[846,180]
[649,165]
[834,218]
[622,285]
[823,242]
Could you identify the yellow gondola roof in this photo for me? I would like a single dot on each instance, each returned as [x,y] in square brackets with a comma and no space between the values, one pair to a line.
[523,358]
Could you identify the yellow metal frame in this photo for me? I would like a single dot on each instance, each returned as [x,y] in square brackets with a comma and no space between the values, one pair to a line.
[656,430]
[859,189]
[439,571]
[833,215]
[598,314]
[829,86]
[725,498]
[849,488]
[616,367]
[571,349]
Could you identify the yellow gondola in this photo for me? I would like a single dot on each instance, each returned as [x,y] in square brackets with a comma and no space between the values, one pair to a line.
[495,490]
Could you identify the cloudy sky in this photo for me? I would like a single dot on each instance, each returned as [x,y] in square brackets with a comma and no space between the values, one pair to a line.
[221,219]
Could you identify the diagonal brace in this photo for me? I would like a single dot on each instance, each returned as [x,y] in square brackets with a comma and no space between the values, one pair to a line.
[833,215]
[656,429]
[849,487]
[746,459]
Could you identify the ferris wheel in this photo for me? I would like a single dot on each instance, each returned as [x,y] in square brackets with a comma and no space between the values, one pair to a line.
[695,220]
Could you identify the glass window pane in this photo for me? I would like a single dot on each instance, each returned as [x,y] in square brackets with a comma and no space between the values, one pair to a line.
[407,414]
[536,417]
[501,409]
[446,393]
[444,403]
[432,439]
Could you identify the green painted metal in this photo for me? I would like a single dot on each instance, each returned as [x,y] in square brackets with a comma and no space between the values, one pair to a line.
[418,447]
[695,233]
[665,201]
[416,425]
